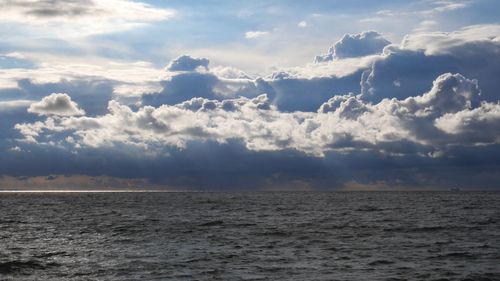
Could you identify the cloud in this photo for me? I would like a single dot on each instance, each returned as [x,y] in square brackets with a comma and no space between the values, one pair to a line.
[442,6]
[285,87]
[92,95]
[400,71]
[48,68]
[81,17]
[182,87]
[13,105]
[78,182]
[392,137]
[480,125]
[407,69]
[188,78]
[446,43]
[43,11]
[404,117]
[342,123]
[255,34]
[187,63]
[302,24]
[56,104]
[14,60]
[51,9]
[355,45]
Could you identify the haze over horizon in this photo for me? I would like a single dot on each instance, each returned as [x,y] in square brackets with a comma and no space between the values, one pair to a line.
[240,95]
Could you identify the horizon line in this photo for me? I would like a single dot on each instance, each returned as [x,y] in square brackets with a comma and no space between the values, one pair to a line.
[230,191]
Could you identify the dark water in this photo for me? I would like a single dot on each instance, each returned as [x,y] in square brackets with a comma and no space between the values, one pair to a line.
[250,236]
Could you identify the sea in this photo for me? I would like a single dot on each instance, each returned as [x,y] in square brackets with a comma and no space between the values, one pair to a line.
[250,236]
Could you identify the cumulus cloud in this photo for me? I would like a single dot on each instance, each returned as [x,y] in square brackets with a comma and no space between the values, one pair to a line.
[286,88]
[355,45]
[187,77]
[400,71]
[187,63]
[343,123]
[407,69]
[392,117]
[56,104]
[181,87]
[479,125]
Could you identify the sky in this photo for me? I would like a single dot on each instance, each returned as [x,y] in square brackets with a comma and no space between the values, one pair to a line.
[250,95]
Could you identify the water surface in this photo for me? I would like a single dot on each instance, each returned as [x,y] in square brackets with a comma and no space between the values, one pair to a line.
[250,236]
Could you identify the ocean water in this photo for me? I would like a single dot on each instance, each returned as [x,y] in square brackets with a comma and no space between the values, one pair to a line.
[250,236]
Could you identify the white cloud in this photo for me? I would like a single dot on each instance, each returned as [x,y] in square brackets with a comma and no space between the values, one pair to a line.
[343,123]
[14,104]
[57,104]
[413,64]
[358,123]
[302,24]
[255,34]
[337,68]
[81,18]
[439,43]
[131,75]
[442,6]
[355,45]
[15,149]
[479,125]
[425,25]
